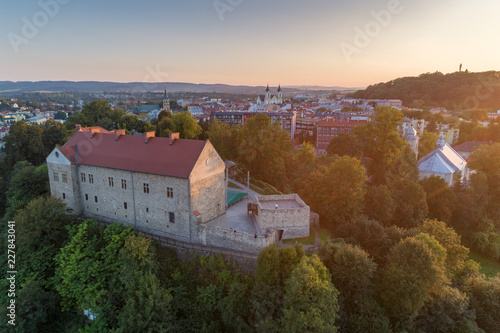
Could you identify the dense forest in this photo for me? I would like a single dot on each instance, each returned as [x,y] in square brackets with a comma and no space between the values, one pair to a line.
[454,91]
[397,256]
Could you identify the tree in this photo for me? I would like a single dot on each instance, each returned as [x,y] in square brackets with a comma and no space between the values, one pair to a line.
[427,143]
[274,267]
[411,206]
[381,142]
[37,310]
[486,159]
[148,307]
[336,191]
[485,300]
[415,268]
[456,253]
[310,299]
[53,134]
[41,228]
[376,239]
[447,312]
[88,272]
[165,127]
[224,139]
[24,142]
[186,125]
[345,144]
[440,198]
[379,204]
[402,293]
[351,269]
[27,182]
[61,115]
[263,147]
[236,307]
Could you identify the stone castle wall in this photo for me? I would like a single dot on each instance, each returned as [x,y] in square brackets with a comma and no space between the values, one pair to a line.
[237,241]
[148,212]
[294,221]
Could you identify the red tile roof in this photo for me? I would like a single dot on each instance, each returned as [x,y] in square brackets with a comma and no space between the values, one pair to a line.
[131,153]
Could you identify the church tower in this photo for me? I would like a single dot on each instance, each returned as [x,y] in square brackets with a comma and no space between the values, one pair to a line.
[267,99]
[166,102]
[441,141]
[280,95]
[413,139]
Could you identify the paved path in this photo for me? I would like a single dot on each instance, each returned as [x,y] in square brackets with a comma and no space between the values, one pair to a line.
[245,189]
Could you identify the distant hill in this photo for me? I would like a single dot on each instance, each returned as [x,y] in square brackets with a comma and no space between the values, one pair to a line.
[134,87]
[455,91]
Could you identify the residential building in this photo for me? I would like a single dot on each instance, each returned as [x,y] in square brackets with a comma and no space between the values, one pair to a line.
[465,149]
[287,120]
[330,127]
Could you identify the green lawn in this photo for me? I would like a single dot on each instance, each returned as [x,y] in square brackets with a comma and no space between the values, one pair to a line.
[323,236]
[488,267]
[233,185]
[257,189]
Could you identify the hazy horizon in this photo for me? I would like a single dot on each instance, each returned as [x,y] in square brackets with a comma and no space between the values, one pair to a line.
[243,42]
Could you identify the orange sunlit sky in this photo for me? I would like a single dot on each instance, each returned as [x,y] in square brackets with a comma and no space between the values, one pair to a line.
[251,42]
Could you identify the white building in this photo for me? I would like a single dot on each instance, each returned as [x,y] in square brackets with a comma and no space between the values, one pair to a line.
[444,162]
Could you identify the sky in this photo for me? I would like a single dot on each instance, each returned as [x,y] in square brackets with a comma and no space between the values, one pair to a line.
[350,43]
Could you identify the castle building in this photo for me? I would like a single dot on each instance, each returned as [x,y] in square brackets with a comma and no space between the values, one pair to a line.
[162,186]
[271,99]
[167,187]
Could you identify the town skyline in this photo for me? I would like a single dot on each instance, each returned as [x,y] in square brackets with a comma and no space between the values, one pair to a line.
[240,42]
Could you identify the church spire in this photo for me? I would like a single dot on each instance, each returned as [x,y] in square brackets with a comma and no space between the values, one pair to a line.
[267,89]
[279,88]
[412,139]
[441,141]
[165,96]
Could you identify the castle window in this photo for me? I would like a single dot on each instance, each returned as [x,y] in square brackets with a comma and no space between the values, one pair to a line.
[171,217]
[56,177]
[64,177]
[84,178]
[87,197]
[146,187]
[91,178]
[64,196]
[95,199]
[124,184]
[170,192]
[147,209]
[125,206]
[111,181]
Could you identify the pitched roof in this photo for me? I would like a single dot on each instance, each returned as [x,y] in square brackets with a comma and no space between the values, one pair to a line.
[468,146]
[442,160]
[131,153]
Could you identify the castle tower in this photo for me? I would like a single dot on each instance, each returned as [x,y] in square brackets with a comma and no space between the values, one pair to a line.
[413,139]
[166,102]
